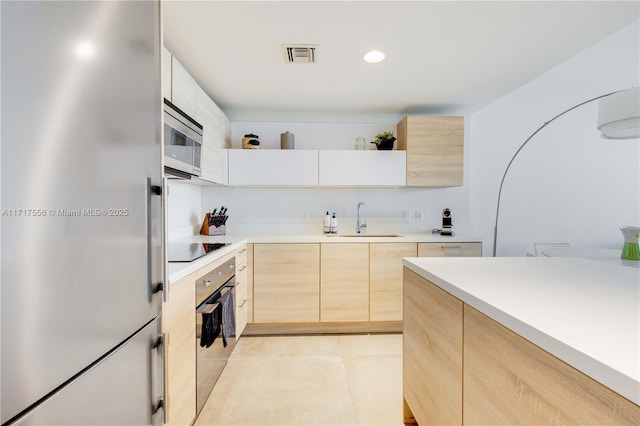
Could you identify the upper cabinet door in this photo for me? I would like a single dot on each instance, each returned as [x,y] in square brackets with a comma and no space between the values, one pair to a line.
[257,167]
[435,149]
[215,134]
[166,74]
[184,89]
[362,168]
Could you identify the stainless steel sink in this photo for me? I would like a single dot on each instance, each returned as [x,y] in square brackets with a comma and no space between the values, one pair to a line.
[363,235]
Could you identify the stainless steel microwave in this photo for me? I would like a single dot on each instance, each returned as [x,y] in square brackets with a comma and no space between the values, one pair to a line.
[182,143]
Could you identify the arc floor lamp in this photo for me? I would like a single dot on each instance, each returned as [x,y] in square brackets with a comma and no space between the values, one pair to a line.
[618,118]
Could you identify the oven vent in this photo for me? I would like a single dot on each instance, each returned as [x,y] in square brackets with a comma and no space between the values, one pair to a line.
[300,53]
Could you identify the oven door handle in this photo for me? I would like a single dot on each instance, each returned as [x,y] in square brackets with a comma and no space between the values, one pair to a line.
[207,308]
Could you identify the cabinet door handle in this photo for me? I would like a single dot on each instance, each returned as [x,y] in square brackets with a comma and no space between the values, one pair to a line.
[450,247]
[242,251]
[243,303]
[243,268]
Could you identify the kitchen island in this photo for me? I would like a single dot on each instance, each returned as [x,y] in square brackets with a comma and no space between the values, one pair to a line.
[521,340]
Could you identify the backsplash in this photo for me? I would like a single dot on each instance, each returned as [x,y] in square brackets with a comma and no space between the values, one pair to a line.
[184,209]
[302,210]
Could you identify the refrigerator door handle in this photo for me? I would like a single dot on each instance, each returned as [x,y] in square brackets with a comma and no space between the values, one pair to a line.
[165,194]
[157,368]
[160,285]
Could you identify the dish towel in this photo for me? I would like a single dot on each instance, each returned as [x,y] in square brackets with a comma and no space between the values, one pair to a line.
[211,325]
[228,318]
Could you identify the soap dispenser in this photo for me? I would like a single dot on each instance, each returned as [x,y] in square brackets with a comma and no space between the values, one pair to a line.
[334,224]
[327,223]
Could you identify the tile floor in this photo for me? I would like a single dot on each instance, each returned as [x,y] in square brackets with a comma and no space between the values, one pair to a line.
[309,380]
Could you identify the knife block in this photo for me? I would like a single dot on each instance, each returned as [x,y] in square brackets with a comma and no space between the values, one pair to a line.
[205,229]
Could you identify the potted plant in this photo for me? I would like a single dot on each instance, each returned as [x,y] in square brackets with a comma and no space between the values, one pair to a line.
[384,140]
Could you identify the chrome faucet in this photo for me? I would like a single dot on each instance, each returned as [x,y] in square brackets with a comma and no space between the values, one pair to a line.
[360,223]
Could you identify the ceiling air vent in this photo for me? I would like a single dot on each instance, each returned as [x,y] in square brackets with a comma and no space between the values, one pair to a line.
[300,53]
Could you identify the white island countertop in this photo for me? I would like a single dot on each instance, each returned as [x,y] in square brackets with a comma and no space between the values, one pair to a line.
[584,311]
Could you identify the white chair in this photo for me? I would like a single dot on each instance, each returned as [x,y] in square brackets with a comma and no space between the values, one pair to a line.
[540,247]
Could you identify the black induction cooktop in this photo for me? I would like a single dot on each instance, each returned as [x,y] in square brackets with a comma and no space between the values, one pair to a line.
[187,252]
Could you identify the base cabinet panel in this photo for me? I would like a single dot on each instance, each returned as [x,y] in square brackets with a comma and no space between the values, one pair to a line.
[385,279]
[509,380]
[286,283]
[432,352]
[179,325]
[344,284]
[462,367]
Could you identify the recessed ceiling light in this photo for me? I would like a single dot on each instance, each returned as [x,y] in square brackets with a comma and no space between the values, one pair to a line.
[374,56]
[85,50]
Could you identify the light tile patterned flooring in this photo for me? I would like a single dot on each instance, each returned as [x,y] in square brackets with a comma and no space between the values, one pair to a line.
[309,380]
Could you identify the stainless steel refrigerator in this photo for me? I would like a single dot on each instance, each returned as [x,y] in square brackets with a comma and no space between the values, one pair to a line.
[81,226]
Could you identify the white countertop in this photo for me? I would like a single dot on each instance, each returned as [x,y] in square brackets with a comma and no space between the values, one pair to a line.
[583,311]
[403,237]
[179,270]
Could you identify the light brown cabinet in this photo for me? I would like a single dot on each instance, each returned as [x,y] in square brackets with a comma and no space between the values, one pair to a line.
[523,384]
[179,327]
[435,150]
[249,283]
[335,282]
[286,283]
[241,296]
[385,279]
[432,352]
[462,367]
[344,283]
[449,249]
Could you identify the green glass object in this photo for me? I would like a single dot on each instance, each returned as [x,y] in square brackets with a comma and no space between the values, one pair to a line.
[630,250]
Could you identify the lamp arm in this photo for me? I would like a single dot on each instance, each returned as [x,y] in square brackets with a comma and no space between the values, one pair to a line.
[495,229]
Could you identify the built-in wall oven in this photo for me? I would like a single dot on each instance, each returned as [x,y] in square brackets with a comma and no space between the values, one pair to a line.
[211,358]
[182,143]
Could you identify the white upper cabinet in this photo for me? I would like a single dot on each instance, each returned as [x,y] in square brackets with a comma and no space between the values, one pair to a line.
[273,167]
[362,168]
[184,89]
[166,73]
[215,134]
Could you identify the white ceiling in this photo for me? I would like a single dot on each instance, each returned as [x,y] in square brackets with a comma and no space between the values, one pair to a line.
[442,57]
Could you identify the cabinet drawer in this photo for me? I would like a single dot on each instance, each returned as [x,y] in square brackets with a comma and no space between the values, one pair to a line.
[241,257]
[241,292]
[449,249]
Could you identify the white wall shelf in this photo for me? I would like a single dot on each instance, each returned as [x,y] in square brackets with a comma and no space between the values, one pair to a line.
[271,167]
[362,168]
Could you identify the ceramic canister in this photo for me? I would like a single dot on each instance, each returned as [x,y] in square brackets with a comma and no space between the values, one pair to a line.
[287,140]
[250,141]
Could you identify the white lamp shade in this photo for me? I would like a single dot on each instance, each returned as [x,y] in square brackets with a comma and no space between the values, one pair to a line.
[619,115]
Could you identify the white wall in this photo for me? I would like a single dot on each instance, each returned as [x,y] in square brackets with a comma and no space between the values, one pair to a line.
[314,131]
[568,184]
[184,209]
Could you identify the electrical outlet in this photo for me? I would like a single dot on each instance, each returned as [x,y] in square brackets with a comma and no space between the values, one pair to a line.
[405,215]
[419,216]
